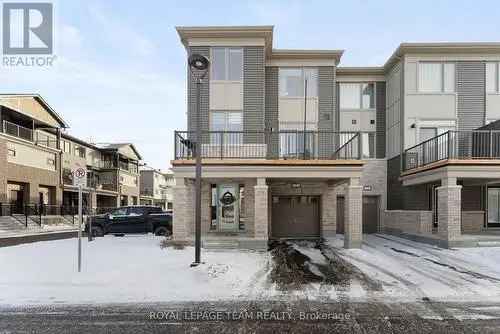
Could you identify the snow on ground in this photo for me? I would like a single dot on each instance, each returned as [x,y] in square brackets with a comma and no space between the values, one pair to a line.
[136,269]
[410,271]
[124,269]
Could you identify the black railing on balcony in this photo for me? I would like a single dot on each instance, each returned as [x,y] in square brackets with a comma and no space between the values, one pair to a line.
[283,144]
[17,130]
[459,145]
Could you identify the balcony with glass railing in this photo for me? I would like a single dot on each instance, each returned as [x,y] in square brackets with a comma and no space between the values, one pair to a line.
[282,145]
[453,145]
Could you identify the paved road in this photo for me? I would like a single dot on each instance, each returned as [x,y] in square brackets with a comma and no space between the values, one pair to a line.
[254,317]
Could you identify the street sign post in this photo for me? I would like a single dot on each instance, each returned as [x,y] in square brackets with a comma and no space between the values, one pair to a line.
[80,180]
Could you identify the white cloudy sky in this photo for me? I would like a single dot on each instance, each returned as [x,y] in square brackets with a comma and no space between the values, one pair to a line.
[120,68]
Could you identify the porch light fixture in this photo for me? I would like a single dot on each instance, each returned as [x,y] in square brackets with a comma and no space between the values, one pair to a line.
[198,66]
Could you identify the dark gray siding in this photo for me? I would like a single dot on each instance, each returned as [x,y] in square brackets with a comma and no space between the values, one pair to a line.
[470,87]
[326,98]
[253,92]
[400,197]
[380,119]
[204,105]
[271,111]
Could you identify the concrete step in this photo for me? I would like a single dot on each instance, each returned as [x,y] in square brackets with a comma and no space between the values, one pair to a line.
[220,244]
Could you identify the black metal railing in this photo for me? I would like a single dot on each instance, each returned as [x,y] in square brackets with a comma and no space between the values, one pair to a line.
[283,144]
[26,213]
[459,145]
[17,130]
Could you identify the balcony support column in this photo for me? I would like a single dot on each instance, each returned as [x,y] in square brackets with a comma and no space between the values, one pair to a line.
[183,217]
[261,210]
[449,211]
[353,214]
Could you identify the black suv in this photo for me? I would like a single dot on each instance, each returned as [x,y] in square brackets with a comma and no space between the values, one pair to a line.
[132,219]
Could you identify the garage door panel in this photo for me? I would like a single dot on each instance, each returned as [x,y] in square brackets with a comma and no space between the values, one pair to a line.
[295,216]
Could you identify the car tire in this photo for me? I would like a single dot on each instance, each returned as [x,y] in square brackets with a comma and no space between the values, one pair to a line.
[162,231]
[97,231]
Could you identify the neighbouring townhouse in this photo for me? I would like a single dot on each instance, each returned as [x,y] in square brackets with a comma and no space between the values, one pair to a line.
[156,188]
[295,146]
[37,157]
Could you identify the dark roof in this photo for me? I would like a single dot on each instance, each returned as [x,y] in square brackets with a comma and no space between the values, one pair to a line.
[492,126]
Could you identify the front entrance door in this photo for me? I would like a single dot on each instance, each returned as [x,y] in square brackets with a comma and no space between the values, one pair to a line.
[227,207]
[493,207]
[370,214]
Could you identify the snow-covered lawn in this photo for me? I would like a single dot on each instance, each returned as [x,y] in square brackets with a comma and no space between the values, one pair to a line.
[136,269]
[124,269]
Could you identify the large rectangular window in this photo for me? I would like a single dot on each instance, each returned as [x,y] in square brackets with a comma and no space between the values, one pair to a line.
[436,77]
[357,96]
[227,64]
[293,80]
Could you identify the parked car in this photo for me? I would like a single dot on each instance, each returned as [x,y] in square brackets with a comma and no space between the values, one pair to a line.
[132,219]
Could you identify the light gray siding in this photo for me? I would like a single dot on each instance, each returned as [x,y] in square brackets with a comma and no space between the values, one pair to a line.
[253,92]
[326,97]
[380,118]
[470,87]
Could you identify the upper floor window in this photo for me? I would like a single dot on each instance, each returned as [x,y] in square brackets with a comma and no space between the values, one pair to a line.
[493,77]
[293,80]
[436,77]
[80,151]
[227,64]
[357,95]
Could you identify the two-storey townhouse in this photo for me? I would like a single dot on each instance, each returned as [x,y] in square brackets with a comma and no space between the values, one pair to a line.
[121,165]
[156,188]
[409,148]
[37,157]
[30,161]
[443,158]
[280,151]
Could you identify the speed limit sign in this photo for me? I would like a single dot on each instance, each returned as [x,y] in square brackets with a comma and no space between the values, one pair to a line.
[80,177]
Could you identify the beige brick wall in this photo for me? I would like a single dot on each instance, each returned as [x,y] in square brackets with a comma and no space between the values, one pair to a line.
[449,212]
[408,221]
[329,211]
[261,228]
[3,170]
[353,216]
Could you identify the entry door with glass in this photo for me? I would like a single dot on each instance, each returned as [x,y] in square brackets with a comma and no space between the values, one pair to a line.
[493,207]
[228,207]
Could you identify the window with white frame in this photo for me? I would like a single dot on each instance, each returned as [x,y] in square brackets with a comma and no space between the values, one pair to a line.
[436,77]
[292,82]
[357,95]
[227,64]
[493,77]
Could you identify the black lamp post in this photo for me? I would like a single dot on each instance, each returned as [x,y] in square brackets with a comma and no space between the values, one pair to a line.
[198,66]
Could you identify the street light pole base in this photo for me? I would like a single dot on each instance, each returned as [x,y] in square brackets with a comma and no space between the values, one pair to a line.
[194,264]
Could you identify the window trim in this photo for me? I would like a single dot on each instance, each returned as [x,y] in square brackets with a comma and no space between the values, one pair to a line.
[360,84]
[226,64]
[442,89]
